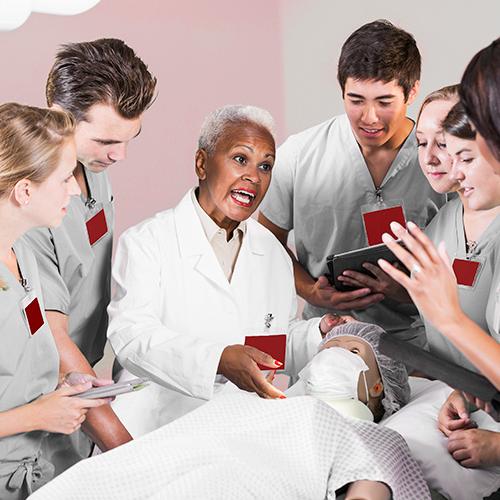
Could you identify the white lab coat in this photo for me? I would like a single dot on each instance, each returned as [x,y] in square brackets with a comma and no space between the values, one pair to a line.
[174,312]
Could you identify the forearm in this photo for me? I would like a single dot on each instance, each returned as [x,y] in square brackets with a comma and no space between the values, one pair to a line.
[18,420]
[102,425]
[482,350]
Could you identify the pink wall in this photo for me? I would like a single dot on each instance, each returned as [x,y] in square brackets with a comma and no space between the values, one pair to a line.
[204,53]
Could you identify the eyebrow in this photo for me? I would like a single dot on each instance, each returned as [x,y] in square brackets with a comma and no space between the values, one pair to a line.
[250,149]
[113,141]
[380,97]
[464,150]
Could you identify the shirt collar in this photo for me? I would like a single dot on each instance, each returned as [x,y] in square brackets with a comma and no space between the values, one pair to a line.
[209,226]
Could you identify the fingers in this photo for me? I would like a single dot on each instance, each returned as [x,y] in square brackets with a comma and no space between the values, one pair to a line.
[328,321]
[74,389]
[99,382]
[401,253]
[322,283]
[264,389]
[262,358]
[358,280]
[394,273]
[91,403]
[270,376]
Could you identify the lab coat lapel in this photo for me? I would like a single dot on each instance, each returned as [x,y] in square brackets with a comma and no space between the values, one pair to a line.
[194,246]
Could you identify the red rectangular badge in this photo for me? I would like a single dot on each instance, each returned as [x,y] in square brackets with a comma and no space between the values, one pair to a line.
[34,316]
[274,345]
[378,222]
[466,271]
[97,226]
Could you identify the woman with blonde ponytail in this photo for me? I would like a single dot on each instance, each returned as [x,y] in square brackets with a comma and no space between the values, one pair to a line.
[37,159]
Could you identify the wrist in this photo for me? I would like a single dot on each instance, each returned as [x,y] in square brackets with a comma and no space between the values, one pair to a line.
[453,322]
[29,417]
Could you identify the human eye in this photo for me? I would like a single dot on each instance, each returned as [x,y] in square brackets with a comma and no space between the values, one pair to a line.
[441,145]
[266,167]
[241,159]
[466,160]
[421,144]
[356,102]
[385,104]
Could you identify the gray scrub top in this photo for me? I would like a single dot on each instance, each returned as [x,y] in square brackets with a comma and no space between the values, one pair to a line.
[29,367]
[75,275]
[448,226]
[320,182]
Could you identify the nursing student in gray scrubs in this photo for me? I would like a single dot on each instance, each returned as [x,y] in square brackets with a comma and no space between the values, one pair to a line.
[107,88]
[37,158]
[326,177]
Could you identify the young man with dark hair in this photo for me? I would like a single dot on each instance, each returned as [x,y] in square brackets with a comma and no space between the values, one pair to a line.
[107,88]
[329,177]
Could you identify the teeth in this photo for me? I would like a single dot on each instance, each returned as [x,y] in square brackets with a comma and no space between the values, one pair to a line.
[244,193]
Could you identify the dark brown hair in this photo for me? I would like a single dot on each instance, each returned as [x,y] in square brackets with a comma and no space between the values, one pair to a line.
[480,94]
[380,51]
[103,71]
[458,124]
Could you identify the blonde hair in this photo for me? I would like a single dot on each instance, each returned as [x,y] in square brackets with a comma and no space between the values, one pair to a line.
[448,93]
[30,143]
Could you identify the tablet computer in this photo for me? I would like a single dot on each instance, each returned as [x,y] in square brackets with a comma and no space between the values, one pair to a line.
[112,390]
[354,260]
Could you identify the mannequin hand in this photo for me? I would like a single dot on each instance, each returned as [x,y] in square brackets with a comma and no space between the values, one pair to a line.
[381,283]
[432,274]
[454,414]
[238,363]
[58,412]
[329,321]
[482,405]
[475,447]
[322,294]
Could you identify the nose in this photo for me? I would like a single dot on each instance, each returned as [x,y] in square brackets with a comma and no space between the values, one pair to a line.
[252,174]
[430,156]
[118,152]
[369,115]
[73,187]
[457,174]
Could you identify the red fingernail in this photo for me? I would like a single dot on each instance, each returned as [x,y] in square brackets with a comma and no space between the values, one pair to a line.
[282,397]
[277,363]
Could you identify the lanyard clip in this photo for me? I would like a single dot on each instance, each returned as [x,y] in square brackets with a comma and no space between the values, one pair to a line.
[90,203]
[378,194]
[25,285]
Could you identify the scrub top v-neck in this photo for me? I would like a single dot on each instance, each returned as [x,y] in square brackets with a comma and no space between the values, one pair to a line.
[29,367]
[320,184]
[76,274]
[448,226]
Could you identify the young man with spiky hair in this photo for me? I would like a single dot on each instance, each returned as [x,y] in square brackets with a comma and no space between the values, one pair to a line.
[328,176]
[107,87]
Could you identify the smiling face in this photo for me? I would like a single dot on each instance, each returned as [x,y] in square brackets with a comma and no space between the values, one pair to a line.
[363,349]
[377,112]
[433,157]
[477,178]
[102,138]
[49,199]
[234,178]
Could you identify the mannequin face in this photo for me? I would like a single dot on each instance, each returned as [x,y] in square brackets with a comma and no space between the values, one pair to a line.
[361,348]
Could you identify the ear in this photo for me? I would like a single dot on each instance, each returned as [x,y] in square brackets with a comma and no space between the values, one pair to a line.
[376,389]
[200,164]
[413,92]
[22,191]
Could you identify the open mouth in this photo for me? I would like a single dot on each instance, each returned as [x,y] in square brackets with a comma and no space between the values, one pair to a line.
[243,197]
[371,132]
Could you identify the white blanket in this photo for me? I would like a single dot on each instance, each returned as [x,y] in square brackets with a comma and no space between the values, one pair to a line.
[417,423]
[240,446]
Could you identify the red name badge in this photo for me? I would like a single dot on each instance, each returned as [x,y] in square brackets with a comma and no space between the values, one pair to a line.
[466,271]
[97,226]
[378,222]
[34,316]
[274,345]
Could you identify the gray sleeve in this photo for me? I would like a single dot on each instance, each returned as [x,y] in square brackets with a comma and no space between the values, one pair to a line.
[55,292]
[277,205]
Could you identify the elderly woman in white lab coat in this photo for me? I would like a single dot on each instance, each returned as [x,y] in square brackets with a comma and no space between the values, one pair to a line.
[192,282]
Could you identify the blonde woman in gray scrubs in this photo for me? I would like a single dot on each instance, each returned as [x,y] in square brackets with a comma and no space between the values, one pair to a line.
[37,159]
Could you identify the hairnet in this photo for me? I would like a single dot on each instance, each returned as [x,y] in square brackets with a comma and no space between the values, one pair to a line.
[393,373]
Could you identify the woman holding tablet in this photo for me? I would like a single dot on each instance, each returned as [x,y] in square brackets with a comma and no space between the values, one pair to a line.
[37,159]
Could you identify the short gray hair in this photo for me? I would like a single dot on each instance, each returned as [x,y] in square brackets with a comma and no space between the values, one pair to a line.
[216,123]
